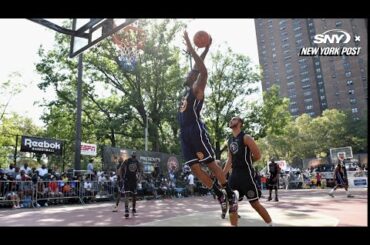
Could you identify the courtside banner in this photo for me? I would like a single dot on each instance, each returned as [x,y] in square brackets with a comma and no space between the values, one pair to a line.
[88,149]
[41,145]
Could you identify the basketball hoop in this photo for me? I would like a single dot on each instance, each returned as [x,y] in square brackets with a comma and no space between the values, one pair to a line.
[129,43]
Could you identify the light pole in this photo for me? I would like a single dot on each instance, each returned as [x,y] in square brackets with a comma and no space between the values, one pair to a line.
[146,133]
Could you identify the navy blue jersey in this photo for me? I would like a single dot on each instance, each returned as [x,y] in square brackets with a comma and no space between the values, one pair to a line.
[189,109]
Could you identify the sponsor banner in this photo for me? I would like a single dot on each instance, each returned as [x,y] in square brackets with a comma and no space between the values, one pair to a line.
[41,145]
[357,182]
[149,160]
[88,149]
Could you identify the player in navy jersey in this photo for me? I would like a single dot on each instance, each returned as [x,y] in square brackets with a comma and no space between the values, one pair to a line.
[242,152]
[195,143]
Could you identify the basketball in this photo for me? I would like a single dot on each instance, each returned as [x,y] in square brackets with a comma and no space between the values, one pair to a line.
[201,39]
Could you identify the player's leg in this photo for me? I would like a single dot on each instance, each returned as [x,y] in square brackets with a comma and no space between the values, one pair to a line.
[134,193]
[261,210]
[120,187]
[270,186]
[207,181]
[276,192]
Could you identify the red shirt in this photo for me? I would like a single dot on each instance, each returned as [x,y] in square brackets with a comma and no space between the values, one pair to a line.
[53,186]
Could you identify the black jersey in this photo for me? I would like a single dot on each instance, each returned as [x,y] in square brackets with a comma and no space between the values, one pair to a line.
[242,176]
[241,154]
[131,167]
[273,168]
[189,109]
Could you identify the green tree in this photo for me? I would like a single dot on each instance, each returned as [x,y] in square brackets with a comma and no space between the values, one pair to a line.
[11,126]
[230,78]
[8,89]
[116,100]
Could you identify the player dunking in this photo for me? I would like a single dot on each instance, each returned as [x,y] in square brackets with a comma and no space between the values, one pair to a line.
[243,151]
[194,138]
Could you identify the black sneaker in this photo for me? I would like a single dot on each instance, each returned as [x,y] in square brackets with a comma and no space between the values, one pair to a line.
[269,199]
[233,202]
[276,199]
[127,213]
[133,211]
[224,204]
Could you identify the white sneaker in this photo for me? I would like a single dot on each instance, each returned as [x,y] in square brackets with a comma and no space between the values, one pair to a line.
[115,209]
[46,204]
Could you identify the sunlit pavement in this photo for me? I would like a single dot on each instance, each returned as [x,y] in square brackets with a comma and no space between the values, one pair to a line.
[295,208]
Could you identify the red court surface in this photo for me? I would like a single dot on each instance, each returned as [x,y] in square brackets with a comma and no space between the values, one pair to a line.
[295,208]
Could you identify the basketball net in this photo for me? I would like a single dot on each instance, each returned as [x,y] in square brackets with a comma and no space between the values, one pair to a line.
[129,42]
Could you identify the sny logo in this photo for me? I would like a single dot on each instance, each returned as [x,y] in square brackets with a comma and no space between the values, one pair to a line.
[333,36]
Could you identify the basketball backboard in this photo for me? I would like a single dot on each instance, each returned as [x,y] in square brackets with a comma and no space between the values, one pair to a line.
[344,152]
[88,32]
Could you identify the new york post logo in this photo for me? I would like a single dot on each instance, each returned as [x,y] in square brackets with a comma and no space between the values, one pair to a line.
[331,38]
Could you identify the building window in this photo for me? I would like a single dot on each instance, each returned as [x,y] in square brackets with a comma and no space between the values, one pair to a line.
[354,110]
[306,86]
[338,23]
[348,74]
[349,82]
[309,107]
[317,63]
[298,35]
[351,91]
[307,93]
[322,97]
[346,65]
[304,80]
[318,70]
[319,76]
[321,90]
[308,100]
[352,101]
[293,110]
[311,114]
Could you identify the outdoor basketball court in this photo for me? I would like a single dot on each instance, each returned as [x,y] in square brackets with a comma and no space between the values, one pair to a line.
[295,208]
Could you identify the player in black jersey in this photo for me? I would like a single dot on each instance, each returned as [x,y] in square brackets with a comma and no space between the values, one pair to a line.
[129,171]
[195,143]
[273,181]
[242,152]
[340,176]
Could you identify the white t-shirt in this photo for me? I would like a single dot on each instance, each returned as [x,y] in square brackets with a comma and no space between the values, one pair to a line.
[42,171]
[191,179]
[27,171]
